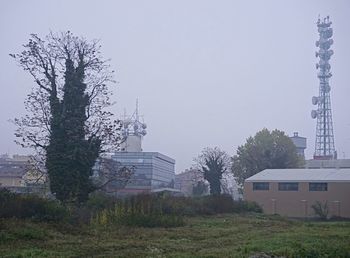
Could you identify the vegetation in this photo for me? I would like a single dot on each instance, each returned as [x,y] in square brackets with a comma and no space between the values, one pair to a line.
[102,210]
[30,207]
[67,121]
[213,163]
[266,150]
[321,209]
[209,236]
[139,211]
[199,188]
[160,226]
[161,210]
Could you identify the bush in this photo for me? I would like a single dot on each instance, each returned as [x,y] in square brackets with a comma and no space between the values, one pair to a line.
[30,206]
[245,206]
[141,210]
[99,201]
[206,205]
[29,233]
[321,210]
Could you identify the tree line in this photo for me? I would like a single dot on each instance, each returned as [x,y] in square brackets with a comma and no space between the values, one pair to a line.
[69,124]
[265,150]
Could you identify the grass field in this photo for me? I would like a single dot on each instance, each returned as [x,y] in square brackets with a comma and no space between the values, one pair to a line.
[212,236]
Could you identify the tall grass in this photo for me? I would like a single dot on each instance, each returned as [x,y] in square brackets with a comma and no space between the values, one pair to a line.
[146,210]
[165,211]
[137,211]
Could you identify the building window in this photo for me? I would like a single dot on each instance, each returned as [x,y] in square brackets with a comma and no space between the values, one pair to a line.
[318,187]
[288,186]
[261,186]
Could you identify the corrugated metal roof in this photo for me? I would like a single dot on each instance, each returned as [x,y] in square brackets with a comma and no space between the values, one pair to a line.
[324,175]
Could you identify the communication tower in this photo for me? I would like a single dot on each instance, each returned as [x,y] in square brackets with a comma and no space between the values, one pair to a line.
[324,146]
[133,131]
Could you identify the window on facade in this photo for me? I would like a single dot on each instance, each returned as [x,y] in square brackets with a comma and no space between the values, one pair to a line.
[318,186]
[288,186]
[261,186]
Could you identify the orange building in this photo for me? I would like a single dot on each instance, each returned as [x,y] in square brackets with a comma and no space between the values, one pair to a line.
[293,192]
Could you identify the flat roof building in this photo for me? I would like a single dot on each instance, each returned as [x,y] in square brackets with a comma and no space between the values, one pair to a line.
[293,192]
[331,163]
[152,171]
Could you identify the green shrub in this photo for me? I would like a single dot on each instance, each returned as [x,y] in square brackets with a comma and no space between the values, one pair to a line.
[99,201]
[321,209]
[321,252]
[29,233]
[30,206]
[206,205]
[245,206]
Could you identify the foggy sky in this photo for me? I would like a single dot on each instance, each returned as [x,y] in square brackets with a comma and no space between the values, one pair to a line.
[206,73]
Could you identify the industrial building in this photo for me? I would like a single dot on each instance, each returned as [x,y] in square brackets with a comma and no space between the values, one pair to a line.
[292,192]
[332,163]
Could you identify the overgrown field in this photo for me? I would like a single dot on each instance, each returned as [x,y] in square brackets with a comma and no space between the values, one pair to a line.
[206,236]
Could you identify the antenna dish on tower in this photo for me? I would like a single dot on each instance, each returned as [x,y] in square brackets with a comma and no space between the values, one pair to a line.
[132,131]
[324,147]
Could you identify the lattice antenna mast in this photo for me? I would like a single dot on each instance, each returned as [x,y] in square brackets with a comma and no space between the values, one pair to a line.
[133,131]
[324,146]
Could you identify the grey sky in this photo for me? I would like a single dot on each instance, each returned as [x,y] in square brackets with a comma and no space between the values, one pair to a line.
[207,73]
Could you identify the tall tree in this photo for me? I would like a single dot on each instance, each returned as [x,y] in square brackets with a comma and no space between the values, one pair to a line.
[213,163]
[266,150]
[67,119]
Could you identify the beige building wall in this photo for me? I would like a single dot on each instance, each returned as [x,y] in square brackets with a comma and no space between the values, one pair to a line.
[298,203]
[186,180]
[11,181]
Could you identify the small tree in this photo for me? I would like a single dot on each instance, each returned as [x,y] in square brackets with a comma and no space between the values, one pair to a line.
[321,209]
[213,163]
[68,122]
[266,150]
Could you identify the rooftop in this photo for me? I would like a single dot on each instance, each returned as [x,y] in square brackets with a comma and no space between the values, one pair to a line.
[315,175]
[140,155]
